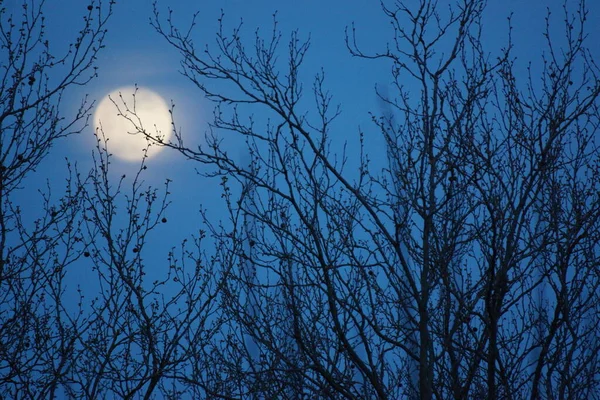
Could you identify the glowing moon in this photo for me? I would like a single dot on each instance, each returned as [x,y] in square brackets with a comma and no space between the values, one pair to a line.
[145,111]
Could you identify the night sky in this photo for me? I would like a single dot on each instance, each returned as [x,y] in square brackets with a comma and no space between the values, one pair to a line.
[136,54]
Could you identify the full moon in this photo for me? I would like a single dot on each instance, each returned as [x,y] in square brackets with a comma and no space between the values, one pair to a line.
[135,111]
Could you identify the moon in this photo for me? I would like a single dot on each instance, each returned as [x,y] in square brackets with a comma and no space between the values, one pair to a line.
[136,110]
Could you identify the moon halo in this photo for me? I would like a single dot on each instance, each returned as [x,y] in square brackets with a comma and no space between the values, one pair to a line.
[136,109]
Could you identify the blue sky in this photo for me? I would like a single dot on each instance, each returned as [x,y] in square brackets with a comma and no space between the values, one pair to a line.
[136,54]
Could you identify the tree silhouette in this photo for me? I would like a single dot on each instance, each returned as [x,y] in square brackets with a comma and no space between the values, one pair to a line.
[462,264]
[438,260]
[37,335]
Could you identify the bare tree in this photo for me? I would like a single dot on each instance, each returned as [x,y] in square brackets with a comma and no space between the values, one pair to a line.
[436,262]
[150,322]
[37,334]
[466,267]
[132,333]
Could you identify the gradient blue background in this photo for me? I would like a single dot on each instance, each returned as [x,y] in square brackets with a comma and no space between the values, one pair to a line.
[136,54]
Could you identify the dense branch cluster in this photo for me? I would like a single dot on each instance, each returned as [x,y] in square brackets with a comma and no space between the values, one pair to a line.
[467,267]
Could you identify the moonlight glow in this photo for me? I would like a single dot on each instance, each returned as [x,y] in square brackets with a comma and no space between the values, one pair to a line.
[146,111]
